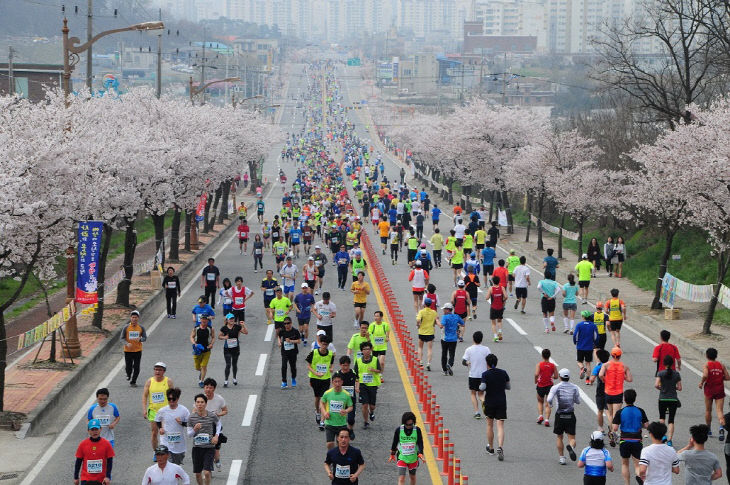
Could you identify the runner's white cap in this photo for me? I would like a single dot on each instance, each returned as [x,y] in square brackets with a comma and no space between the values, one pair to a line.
[161,364]
[304,285]
[564,372]
[448,306]
[321,332]
[311,258]
[597,435]
[317,247]
[585,256]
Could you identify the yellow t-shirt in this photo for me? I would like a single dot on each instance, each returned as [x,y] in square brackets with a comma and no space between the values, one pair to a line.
[480,236]
[361,296]
[584,269]
[384,228]
[427,317]
[438,242]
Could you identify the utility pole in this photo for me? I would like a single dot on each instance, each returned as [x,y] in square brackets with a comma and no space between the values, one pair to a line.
[461,95]
[11,76]
[159,60]
[202,69]
[89,57]
[504,81]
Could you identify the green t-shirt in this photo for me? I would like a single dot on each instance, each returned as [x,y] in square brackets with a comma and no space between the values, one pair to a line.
[279,248]
[584,269]
[355,342]
[336,402]
[281,307]
[512,263]
[378,333]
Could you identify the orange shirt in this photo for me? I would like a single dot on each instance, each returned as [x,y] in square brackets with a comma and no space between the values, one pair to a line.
[501,271]
[384,228]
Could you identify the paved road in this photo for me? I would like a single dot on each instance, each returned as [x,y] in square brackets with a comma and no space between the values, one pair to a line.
[529,449]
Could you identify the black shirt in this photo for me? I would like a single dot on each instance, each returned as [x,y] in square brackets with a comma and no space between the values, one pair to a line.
[493,233]
[352,458]
[211,269]
[232,332]
[202,337]
[496,381]
[171,284]
[289,334]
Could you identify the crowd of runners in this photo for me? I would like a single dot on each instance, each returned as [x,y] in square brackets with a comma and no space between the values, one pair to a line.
[339,192]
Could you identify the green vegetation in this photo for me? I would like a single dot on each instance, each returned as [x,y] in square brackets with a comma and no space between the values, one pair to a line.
[32,291]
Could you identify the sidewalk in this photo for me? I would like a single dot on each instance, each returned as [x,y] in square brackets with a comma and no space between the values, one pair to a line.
[28,387]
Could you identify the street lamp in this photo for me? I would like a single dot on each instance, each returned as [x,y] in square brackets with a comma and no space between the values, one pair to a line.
[234,101]
[198,90]
[71,51]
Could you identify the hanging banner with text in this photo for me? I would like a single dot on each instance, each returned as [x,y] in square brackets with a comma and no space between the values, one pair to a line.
[673,287]
[87,261]
[555,230]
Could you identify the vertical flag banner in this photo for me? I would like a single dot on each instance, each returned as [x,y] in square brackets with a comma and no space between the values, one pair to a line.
[87,261]
[200,210]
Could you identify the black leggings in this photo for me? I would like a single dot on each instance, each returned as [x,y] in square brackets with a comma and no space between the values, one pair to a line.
[210,295]
[341,276]
[394,252]
[131,361]
[289,358]
[448,351]
[171,297]
[437,257]
[258,261]
[727,467]
[231,357]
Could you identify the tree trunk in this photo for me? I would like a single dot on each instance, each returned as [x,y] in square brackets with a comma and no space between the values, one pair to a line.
[253,166]
[3,357]
[101,289]
[467,193]
[560,236]
[206,214]
[49,312]
[492,195]
[540,210]
[450,193]
[508,211]
[529,217]
[174,254]
[669,237]
[159,223]
[223,216]
[580,238]
[722,267]
[130,246]
[214,209]
[188,223]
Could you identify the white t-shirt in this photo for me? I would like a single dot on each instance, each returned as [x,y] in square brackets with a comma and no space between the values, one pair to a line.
[288,274]
[659,459]
[174,437]
[415,207]
[521,273]
[168,476]
[216,404]
[325,310]
[459,231]
[476,355]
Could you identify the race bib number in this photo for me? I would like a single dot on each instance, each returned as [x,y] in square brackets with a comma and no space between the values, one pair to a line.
[379,340]
[243,234]
[342,471]
[257,251]
[104,419]
[174,437]
[336,406]
[408,448]
[275,234]
[325,314]
[322,368]
[279,312]
[367,378]
[158,397]
[172,284]
[210,276]
[270,291]
[201,439]
[317,262]
[95,466]
[350,390]
[307,234]
[342,261]
[134,335]
[238,300]
[232,343]
[288,346]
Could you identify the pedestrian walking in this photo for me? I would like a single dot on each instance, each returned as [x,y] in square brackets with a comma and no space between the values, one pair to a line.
[594,255]
[609,255]
[171,284]
[620,251]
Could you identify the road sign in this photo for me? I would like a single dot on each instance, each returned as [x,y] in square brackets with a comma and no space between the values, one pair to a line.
[353,61]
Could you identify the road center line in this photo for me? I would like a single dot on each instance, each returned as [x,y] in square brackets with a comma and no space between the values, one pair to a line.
[250,407]
[235,471]
[515,326]
[261,365]
[269,333]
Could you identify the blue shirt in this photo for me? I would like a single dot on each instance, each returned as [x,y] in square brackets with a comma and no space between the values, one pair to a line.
[393,215]
[295,234]
[435,213]
[342,258]
[630,420]
[423,195]
[488,255]
[570,292]
[451,324]
[595,461]
[585,335]
[199,310]
[472,263]
[304,302]
[548,287]
[551,263]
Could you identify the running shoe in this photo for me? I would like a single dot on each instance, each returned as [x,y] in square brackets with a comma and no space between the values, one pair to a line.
[571,452]
[477,416]
[523,312]
[293,382]
[304,341]
[428,367]
[317,417]
[639,480]
[173,317]
[490,450]
[563,461]
[352,434]
[588,382]
[321,425]
[372,416]
[517,303]
[546,423]
[218,465]
[283,385]
[566,330]
[200,384]
[496,339]
[612,439]
[235,381]
[547,330]
[583,373]
[669,443]
[540,419]
[225,383]
[500,336]
[500,454]
[316,292]
[553,325]
[449,370]
[365,425]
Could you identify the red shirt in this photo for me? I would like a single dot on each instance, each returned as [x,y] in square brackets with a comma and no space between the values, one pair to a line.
[501,271]
[664,349]
[243,231]
[497,298]
[545,374]
[94,455]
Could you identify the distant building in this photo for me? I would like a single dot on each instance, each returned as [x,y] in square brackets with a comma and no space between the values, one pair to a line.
[477,42]
[31,80]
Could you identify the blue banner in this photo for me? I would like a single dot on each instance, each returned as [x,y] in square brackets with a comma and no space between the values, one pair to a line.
[87,261]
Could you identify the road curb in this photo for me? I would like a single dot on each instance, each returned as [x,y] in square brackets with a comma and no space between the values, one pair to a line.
[44,413]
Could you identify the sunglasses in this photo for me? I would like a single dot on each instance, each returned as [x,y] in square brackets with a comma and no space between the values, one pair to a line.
[169,398]
[409,424]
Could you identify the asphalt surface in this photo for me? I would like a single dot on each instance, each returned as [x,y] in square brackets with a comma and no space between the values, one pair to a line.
[272,434]
[530,452]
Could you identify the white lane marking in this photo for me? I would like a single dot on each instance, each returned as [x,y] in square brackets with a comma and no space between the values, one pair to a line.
[261,365]
[248,414]
[61,438]
[269,333]
[515,326]
[235,471]
[589,402]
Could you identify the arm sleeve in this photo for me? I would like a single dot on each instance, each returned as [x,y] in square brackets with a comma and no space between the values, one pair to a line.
[551,395]
[394,444]
[218,427]
[116,410]
[143,337]
[90,414]
[419,440]
[123,335]
[77,468]
[109,463]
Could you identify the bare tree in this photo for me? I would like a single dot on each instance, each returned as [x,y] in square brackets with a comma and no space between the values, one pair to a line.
[663,57]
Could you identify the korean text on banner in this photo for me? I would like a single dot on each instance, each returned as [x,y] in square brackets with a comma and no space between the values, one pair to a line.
[87,261]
